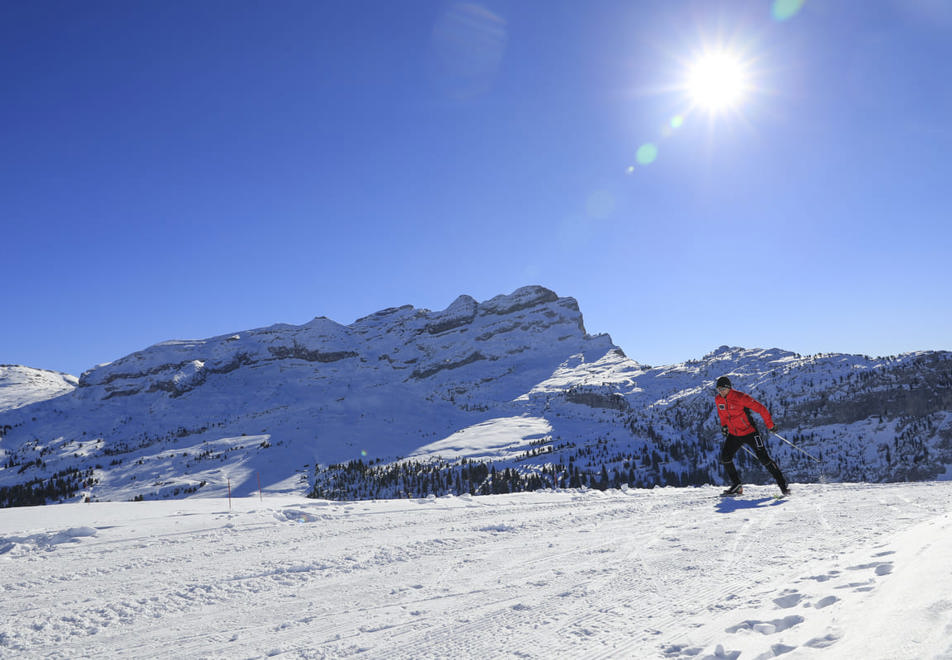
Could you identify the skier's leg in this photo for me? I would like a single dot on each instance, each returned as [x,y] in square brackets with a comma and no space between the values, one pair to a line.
[760,448]
[731,445]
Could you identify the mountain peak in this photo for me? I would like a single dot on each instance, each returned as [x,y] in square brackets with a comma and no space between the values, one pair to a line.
[523,298]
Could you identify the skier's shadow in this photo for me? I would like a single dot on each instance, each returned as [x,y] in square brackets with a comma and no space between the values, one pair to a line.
[732,504]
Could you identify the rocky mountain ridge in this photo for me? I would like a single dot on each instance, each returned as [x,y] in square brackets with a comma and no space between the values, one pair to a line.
[505,394]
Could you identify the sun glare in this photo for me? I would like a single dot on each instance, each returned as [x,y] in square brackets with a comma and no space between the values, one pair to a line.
[717,81]
[722,78]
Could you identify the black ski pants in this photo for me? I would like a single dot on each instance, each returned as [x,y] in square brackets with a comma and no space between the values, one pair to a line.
[756,442]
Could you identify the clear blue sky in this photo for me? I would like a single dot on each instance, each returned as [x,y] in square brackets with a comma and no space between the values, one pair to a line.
[174,169]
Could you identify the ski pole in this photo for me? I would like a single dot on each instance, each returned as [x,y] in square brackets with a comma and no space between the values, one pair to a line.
[795,447]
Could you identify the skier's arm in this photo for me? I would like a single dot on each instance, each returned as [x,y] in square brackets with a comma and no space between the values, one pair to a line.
[760,409]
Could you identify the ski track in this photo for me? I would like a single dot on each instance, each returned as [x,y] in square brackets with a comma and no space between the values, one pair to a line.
[669,573]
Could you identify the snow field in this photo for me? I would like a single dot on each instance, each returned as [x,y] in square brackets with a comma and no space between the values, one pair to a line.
[836,571]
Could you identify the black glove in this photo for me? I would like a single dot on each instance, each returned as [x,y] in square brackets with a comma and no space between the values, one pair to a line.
[724,431]
[773,429]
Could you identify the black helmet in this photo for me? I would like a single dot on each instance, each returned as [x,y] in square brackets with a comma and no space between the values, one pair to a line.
[723,381]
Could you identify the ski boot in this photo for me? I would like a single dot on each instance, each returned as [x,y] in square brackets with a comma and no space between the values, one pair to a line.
[735,489]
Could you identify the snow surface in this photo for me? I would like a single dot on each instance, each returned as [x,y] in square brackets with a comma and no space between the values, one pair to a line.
[836,571]
[497,439]
[20,386]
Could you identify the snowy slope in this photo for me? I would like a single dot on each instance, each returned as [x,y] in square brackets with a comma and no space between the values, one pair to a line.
[836,571]
[21,386]
[401,402]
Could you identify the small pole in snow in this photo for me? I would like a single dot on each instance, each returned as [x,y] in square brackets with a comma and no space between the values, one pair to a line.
[229,493]
[260,495]
[795,447]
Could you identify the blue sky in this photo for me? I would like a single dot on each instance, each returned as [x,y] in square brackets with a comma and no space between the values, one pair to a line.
[180,170]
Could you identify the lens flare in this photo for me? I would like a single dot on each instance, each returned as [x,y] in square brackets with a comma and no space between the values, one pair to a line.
[467,47]
[783,10]
[646,154]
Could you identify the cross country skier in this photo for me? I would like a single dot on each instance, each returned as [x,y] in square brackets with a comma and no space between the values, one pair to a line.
[737,425]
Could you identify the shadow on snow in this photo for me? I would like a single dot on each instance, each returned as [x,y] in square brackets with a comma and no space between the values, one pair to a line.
[732,504]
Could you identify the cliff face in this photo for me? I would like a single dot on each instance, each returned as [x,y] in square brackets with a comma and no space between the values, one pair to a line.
[372,351]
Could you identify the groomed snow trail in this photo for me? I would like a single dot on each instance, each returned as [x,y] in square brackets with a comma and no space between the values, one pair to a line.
[833,571]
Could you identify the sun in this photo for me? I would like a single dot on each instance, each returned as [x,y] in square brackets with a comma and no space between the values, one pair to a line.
[717,81]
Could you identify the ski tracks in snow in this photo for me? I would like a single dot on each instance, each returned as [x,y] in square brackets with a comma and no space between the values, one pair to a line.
[667,573]
[849,553]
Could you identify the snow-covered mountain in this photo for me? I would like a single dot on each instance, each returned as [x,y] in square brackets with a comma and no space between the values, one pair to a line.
[505,394]
[21,386]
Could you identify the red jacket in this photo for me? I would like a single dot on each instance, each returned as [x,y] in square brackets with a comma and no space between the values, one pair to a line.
[734,410]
